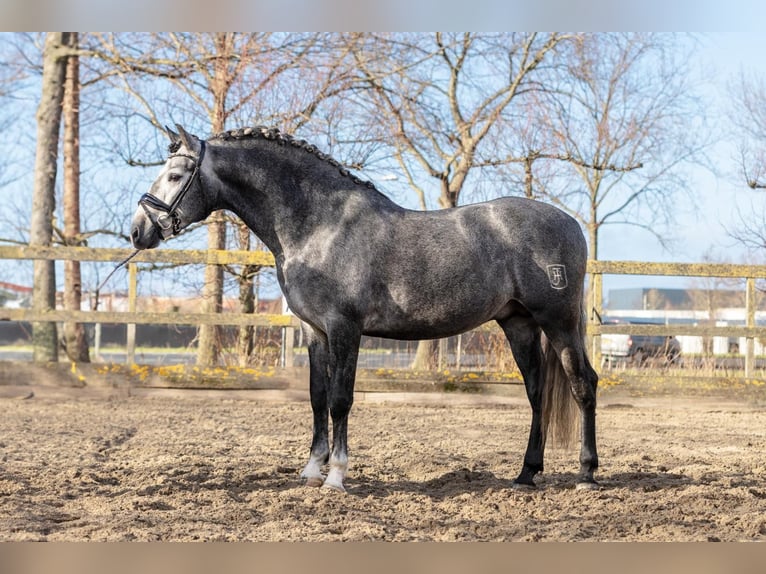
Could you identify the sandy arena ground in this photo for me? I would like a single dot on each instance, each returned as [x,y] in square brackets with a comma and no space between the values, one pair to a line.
[147,464]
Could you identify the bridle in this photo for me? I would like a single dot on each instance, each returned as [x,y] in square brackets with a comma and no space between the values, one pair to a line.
[168,223]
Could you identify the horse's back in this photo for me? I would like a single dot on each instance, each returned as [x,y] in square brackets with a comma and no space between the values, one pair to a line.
[506,237]
[530,220]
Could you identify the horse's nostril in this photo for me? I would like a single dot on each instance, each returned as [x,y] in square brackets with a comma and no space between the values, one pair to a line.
[134,234]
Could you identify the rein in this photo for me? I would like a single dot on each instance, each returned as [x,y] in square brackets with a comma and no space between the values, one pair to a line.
[101,285]
[169,219]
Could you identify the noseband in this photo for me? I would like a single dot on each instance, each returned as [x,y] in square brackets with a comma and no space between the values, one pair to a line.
[168,223]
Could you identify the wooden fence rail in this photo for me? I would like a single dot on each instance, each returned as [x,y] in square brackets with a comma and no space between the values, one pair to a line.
[749,273]
[172,256]
[596,270]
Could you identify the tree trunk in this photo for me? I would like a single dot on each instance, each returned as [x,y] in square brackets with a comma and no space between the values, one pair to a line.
[44,335]
[593,226]
[449,194]
[209,344]
[528,178]
[425,356]
[75,340]
[246,333]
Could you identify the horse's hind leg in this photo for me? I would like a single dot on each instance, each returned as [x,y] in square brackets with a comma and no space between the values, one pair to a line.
[585,394]
[318,385]
[583,381]
[523,334]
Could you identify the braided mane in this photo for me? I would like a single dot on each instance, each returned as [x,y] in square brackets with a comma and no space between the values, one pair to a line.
[273,134]
[174,146]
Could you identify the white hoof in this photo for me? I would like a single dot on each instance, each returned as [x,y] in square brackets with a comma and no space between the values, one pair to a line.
[336,486]
[588,486]
[312,472]
[313,481]
[337,474]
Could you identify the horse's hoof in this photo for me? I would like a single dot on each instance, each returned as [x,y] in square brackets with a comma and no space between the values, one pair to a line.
[524,487]
[314,481]
[588,486]
[334,487]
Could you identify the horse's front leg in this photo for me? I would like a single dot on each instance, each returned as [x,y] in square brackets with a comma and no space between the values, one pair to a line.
[344,350]
[319,364]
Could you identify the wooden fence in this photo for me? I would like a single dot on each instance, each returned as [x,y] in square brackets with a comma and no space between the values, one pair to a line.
[597,269]
[132,316]
[594,307]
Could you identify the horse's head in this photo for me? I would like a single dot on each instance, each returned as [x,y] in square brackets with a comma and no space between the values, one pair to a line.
[175,199]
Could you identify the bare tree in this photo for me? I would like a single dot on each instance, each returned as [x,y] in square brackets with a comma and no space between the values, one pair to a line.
[748,116]
[11,75]
[439,99]
[55,54]
[74,337]
[14,217]
[624,120]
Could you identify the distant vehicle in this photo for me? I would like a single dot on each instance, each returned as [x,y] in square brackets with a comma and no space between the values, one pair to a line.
[638,349]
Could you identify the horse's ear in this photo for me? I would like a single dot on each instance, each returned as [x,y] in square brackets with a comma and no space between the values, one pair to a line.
[190,141]
[174,137]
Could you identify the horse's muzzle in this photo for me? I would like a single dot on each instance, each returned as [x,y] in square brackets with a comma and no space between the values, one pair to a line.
[142,238]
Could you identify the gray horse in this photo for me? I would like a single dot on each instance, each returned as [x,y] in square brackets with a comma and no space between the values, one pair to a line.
[351,262]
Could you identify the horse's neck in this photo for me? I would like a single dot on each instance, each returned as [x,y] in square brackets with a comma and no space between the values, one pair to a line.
[257,213]
[279,209]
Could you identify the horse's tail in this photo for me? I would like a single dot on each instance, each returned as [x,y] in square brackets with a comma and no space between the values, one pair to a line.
[560,414]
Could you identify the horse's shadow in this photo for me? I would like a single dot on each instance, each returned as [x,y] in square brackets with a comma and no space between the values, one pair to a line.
[238,486]
[450,484]
[648,481]
[458,482]
[465,481]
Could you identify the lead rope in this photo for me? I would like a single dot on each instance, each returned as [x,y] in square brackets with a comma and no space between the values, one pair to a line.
[120,264]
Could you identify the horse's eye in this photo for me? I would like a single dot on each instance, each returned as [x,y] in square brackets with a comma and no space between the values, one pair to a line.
[174,177]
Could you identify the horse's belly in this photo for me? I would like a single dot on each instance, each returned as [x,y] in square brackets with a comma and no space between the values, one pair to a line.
[415,332]
[435,322]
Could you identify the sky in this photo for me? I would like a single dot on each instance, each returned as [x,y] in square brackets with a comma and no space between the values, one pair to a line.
[716,197]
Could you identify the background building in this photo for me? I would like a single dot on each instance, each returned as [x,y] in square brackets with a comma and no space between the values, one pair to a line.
[698,306]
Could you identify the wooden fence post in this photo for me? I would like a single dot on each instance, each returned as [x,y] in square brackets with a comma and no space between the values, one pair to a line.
[97,342]
[594,316]
[287,358]
[130,349]
[750,322]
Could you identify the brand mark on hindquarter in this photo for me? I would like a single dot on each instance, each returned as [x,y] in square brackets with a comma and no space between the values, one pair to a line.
[557,275]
